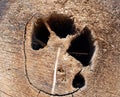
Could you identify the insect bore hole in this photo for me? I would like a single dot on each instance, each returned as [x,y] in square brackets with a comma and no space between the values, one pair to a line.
[78,81]
[61,24]
[82,47]
[40,35]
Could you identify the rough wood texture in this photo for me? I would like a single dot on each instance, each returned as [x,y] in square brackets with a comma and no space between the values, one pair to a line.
[25,72]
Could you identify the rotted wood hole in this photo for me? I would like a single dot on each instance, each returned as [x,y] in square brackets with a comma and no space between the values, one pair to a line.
[56,51]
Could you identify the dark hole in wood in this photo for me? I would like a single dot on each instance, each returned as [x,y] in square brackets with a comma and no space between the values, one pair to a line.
[61,24]
[78,81]
[82,47]
[40,35]
[60,69]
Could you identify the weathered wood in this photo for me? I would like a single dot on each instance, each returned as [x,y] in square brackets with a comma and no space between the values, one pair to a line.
[25,72]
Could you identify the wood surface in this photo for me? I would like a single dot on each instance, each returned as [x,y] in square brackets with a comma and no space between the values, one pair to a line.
[25,72]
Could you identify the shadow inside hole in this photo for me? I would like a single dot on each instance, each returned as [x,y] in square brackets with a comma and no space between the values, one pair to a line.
[61,24]
[82,47]
[78,81]
[40,35]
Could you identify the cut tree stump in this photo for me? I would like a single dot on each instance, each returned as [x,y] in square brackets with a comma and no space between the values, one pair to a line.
[60,48]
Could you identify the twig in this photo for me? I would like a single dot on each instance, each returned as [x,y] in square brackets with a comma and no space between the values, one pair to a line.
[77,53]
[48,27]
[55,71]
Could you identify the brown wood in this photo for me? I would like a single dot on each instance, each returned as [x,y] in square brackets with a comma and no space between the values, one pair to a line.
[25,72]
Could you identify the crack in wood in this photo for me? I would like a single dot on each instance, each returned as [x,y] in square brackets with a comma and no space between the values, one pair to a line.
[6,93]
[38,94]
[72,95]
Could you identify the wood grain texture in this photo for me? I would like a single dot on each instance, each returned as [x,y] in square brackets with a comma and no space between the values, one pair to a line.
[102,77]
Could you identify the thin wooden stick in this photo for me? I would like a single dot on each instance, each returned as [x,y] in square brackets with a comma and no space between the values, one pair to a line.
[55,71]
[48,27]
[77,53]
